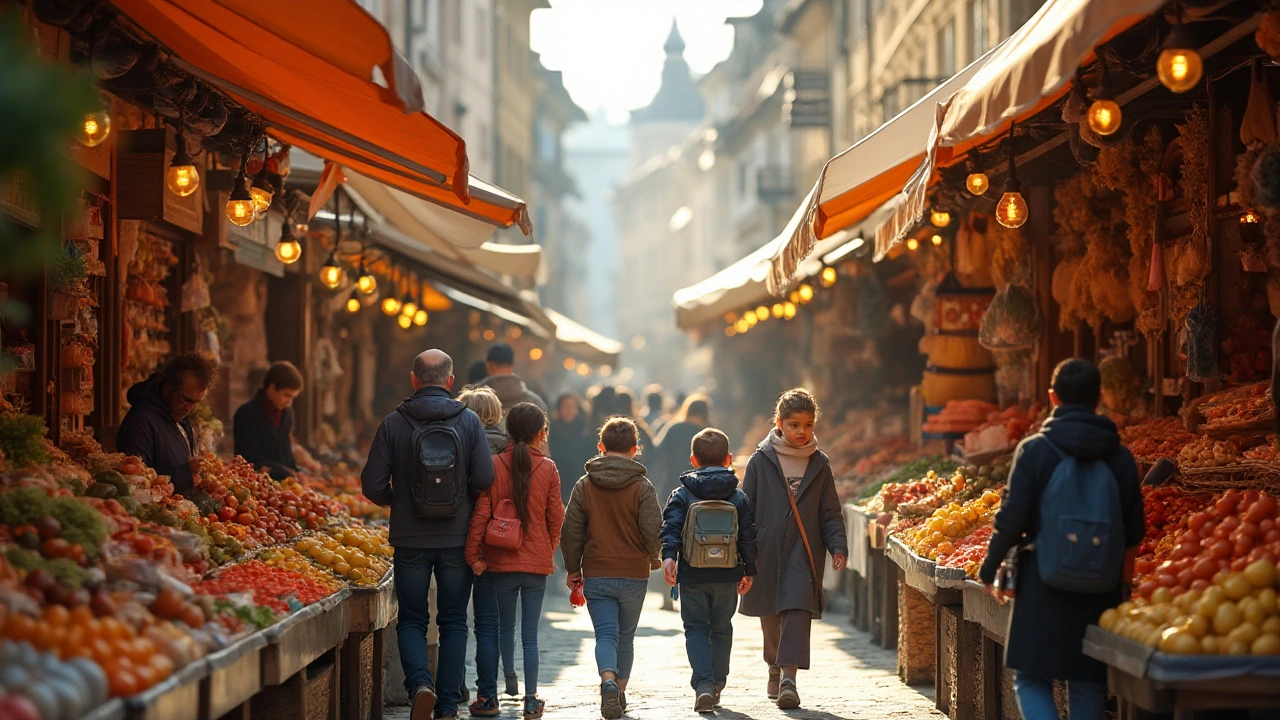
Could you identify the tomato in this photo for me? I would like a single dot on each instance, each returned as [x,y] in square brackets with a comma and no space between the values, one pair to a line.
[1228,502]
[227,514]
[245,518]
[193,616]
[168,605]
[55,548]
[1239,563]
[1196,521]
[1219,550]
[123,683]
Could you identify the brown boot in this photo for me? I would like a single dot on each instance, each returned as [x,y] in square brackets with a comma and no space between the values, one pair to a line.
[775,675]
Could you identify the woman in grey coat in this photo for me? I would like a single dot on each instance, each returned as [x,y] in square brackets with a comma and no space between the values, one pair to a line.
[787,594]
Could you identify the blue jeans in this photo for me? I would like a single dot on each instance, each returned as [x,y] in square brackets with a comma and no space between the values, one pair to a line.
[484,601]
[414,568]
[707,611]
[615,605]
[530,590]
[1085,700]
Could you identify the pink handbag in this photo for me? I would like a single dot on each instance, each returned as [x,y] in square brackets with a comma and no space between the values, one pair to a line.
[504,527]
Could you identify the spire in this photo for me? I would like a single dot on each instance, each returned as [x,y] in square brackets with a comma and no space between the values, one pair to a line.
[675,43]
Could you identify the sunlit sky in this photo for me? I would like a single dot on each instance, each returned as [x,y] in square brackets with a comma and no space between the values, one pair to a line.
[610,51]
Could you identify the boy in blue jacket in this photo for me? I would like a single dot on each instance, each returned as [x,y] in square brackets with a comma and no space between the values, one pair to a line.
[712,578]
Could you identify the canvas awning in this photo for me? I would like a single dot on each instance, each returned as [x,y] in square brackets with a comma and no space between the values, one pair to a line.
[858,181]
[1028,72]
[325,77]
[582,342]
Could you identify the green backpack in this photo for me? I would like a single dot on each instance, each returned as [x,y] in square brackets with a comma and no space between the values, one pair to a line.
[711,535]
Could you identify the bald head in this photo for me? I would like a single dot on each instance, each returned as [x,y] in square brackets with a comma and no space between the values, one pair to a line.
[432,368]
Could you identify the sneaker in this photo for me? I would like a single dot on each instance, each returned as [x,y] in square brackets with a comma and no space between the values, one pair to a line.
[533,708]
[623,699]
[788,697]
[772,688]
[610,700]
[424,703]
[513,684]
[485,707]
[706,701]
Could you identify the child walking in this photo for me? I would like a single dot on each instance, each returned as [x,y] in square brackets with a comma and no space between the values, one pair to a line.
[712,563]
[790,485]
[610,543]
[526,494]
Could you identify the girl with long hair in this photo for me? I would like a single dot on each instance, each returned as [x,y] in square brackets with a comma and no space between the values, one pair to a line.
[531,482]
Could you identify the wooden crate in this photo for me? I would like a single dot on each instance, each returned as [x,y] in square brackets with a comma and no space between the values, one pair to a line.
[235,676]
[883,594]
[312,693]
[917,635]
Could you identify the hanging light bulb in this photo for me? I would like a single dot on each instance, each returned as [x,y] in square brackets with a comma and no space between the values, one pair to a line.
[789,310]
[240,209]
[1249,218]
[94,128]
[829,276]
[288,250]
[261,191]
[535,353]
[940,218]
[977,183]
[751,318]
[1179,65]
[913,244]
[353,302]
[742,325]
[404,321]
[408,306]
[182,178]
[331,272]
[390,305]
[420,318]
[365,281]
[762,313]
[1104,114]
[776,310]
[805,293]
[936,240]
[730,331]
[1011,211]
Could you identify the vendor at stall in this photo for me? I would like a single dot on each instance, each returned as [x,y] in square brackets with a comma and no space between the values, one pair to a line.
[157,427]
[263,426]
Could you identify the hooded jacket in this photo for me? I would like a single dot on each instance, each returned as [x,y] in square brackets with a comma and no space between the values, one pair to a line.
[512,391]
[540,536]
[149,431]
[263,443]
[496,438]
[711,483]
[612,525]
[1047,626]
[385,478]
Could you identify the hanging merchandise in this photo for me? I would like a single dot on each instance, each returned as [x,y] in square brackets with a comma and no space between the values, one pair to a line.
[195,291]
[1014,383]
[1121,385]
[1010,256]
[1258,126]
[959,368]
[1201,343]
[973,250]
[924,307]
[1129,168]
[1012,321]
[326,371]
[1097,289]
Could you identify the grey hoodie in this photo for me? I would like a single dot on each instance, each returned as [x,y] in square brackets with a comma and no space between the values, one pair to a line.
[512,391]
[613,523]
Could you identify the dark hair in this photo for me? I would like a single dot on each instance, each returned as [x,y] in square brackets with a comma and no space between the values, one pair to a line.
[501,354]
[653,396]
[624,402]
[567,396]
[695,405]
[477,372]
[604,406]
[710,447]
[619,434]
[1077,382]
[190,365]
[284,375]
[524,422]
[796,400]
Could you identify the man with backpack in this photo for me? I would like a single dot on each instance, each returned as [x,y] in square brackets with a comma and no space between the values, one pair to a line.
[1072,514]
[709,548]
[428,461]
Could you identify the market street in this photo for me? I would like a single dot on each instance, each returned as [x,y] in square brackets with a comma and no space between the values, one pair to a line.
[852,678]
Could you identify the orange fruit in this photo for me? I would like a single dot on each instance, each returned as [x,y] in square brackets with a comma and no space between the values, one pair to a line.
[20,627]
[123,683]
[82,615]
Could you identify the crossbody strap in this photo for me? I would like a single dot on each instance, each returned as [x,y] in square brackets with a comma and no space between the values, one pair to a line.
[795,512]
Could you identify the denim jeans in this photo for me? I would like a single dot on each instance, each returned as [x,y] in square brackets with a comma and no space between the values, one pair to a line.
[530,590]
[707,611]
[1085,700]
[414,568]
[615,605]
[484,601]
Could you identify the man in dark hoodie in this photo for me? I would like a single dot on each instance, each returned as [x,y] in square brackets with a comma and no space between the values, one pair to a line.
[708,596]
[263,426]
[500,362]
[1047,625]
[425,547]
[158,426]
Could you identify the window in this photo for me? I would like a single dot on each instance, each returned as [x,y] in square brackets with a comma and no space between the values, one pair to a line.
[978,26]
[482,33]
[947,50]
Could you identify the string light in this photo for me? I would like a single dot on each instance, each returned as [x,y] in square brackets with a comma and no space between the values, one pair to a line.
[240,208]
[829,276]
[1104,114]
[353,302]
[1179,65]
[789,310]
[390,305]
[794,296]
[762,313]
[94,129]
[404,321]
[1249,218]
[535,353]
[489,335]
[407,306]
[570,363]
[365,281]
[288,250]
[977,183]
[182,178]
[742,325]
[805,293]
[331,272]
[751,319]
[730,331]
[1011,211]
[420,318]
[940,218]
[936,240]
[776,310]
[261,191]
[913,244]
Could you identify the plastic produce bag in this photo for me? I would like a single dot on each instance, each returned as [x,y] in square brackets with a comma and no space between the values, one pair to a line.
[195,291]
[1012,320]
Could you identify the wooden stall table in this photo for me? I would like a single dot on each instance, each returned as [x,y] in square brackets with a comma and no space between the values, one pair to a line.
[301,663]
[920,603]
[987,626]
[882,589]
[856,523]
[235,676]
[1148,682]
[112,709]
[177,698]
[372,610]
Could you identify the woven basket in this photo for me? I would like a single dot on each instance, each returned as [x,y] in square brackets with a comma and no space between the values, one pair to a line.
[1250,473]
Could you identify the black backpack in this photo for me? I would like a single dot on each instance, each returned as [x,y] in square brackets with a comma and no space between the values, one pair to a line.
[439,484]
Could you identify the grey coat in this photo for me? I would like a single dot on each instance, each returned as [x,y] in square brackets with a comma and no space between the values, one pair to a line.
[783,578]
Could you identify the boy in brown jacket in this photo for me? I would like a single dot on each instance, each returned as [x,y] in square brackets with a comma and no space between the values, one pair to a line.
[611,542]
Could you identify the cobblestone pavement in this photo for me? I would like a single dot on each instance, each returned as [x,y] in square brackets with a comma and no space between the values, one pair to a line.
[851,678]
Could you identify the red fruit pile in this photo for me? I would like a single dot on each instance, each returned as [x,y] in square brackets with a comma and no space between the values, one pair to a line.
[257,510]
[270,586]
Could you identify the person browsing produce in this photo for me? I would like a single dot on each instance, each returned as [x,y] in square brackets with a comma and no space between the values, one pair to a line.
[158,426]
[263,426]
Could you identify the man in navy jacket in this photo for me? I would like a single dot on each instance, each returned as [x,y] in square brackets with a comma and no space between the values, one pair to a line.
[158,426]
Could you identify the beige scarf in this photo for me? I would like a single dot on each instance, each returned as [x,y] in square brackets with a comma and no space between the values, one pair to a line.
[794,460]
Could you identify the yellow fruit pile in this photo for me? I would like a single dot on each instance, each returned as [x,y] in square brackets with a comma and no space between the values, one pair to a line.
[951,522]
[1237,615]
[358,555]
[289,559]
[1205,452]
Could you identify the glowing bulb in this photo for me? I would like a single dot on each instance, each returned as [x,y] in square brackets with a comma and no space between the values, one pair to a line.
[1104,116]
[288,251]
[535,353]
[829,276]
[353,303]
[1179,66]
[366,282]
[1011,211]
[240,208]
[570,363]
[489,335]
[331,273]
[408,307]
[936,240]
[776,310]
[1249,218]
[940,218]
[794,296]
[742,326]
[730,331]
[805,293]
[420,318]
[390,305]
[584,369]
[751,319]
[913,244]
[261,190]
[977,183]
[182,178]
[95,128]
[789,310]
[762,313]
[404,321]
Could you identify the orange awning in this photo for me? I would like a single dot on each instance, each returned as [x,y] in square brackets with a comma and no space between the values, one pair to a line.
[307,67]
